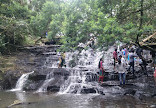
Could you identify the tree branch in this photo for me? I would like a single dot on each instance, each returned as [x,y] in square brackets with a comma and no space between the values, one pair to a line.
[149,37]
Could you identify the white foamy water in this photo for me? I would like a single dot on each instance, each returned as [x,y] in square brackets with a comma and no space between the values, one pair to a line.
[76,82]
[21,82]
[46,83]
[51,61]
[43,88]
[82,76]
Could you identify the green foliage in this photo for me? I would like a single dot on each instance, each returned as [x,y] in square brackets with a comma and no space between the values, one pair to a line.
[13,25]
[14,9]
[75,21]
[108,21]
[40,22]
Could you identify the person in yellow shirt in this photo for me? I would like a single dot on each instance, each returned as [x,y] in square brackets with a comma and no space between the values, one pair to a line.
[62,60]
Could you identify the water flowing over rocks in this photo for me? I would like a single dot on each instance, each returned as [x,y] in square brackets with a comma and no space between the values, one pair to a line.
[82,78]
[42,60]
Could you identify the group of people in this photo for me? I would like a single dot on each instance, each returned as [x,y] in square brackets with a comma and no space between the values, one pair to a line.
[120,63]
[122,59]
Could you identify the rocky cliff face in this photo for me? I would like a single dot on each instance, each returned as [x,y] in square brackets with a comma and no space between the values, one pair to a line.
[48,77]
[38,59]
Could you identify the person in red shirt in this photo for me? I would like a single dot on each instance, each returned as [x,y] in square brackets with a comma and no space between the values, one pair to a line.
[115,57]
[101,73]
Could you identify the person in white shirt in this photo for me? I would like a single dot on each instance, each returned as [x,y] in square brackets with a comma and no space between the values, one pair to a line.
[121,69]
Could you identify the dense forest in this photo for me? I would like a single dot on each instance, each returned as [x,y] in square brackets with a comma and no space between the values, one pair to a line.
[22,22]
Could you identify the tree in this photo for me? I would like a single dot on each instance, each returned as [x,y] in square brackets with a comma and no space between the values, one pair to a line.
[13,24]
[40,22]
[76,21]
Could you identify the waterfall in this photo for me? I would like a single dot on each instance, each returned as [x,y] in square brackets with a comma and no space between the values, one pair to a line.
[51,61]
[83,77]
[77,82]
[21,82]
[46,83]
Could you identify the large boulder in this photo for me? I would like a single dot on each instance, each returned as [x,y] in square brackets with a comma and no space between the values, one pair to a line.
[9,80]
[88,90]
[37,79]
[50,42]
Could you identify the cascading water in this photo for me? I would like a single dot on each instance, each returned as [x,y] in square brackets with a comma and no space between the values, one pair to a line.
[21,82]
[49,63]
[83,77]
[108,59]
[47,82]
[79,81]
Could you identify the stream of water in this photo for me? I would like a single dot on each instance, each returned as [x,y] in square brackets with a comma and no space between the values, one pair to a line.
[70,94]
[50,100]
[21,82]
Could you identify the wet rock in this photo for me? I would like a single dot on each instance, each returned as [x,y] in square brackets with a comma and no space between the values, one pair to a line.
[72,63]
[91,77]
[30,85]
[1,80]
[153,106]
[33,58]
[128,85]
[142,97]
[36,77]
[84,70]
[1,73]
[53,88]
[49,53]
[88,90]
[101,92]
[18,102]
[50,42]
[109,84]
[39,50]
[130,92]
[113,76]
[154,95]
[110,76]
[36,80]
[9,80]
[61,71]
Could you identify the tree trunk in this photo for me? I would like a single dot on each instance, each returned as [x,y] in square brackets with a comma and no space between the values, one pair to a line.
[141,21]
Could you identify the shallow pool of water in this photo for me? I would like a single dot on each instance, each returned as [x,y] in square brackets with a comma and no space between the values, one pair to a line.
[54,100]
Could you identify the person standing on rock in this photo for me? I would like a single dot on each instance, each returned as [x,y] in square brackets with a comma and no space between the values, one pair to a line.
[115,57]
[131,61]
[62,60]
[143,65]
[101,73]
[124,51]
[121,69]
